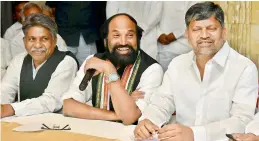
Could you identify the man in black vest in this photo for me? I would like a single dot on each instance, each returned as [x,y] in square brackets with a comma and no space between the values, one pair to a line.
[124,80]
[35,80]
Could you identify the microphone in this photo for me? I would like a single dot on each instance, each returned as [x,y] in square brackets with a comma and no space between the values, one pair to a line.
[88,75]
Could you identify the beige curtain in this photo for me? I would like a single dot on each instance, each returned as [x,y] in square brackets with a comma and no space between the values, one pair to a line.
[242,23]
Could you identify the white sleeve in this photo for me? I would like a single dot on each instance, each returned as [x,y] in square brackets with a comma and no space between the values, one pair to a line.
[253,127]
[153,16]
[17,45]
[8,34]
[11,80]
[112,8]
[74,92]
[161,105]
[147,85]
[50,100]
[61,44]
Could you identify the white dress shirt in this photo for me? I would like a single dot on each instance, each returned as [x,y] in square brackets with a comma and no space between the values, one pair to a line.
[146,85]
[5,56]
[12,31]
[17,44]
[172,21]
[50,100]
[223,102]
[147,14]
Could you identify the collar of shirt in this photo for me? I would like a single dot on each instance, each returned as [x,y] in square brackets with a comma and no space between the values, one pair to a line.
[35,70]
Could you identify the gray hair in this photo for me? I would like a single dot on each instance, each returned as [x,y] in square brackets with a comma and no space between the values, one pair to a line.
[202,11]
[40,20]
[47,8]
[27,6]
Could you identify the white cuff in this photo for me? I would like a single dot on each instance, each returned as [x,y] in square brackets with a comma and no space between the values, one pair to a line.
[253,127]
[199,133]
[18,109]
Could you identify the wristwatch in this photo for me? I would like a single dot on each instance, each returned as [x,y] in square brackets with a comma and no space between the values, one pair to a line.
[112,78]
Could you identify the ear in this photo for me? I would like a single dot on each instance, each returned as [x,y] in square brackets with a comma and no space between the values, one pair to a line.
[224,34]
[186,33]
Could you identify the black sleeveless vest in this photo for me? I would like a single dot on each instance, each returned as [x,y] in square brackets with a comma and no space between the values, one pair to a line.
[30,88]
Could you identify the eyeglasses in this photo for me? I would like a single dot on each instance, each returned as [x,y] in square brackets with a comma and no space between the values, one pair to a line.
[55,127]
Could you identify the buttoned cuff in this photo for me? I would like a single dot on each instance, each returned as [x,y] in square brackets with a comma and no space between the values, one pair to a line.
[199,133]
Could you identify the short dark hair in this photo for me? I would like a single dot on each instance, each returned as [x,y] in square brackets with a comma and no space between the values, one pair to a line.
[204,10]
[40,20]
[105,27]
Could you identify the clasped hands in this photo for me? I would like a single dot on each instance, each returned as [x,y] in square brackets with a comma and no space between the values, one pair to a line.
[171,132]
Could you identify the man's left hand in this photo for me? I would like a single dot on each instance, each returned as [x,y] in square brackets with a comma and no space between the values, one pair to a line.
[245,137]
[6,110]
[99,65]
[175,132]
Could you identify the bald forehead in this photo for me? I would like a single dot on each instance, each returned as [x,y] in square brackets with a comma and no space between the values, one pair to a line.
[122,22]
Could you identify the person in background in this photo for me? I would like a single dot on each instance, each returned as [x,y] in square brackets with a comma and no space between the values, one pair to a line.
[171,40]
[17,26]
[78,23]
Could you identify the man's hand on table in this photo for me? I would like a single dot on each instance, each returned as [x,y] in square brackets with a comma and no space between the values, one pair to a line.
[171,132]
[6,110]
[245,137]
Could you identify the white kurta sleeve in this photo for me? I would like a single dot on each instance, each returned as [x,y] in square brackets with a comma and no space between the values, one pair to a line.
[152,16]
[50,100]
[74,92]
[253,127]
[161,105]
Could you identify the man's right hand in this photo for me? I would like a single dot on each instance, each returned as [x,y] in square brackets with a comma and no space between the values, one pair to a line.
[145,129]
[163,39]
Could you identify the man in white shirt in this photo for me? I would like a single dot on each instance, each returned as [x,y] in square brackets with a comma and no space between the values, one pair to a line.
[126,76]
[171,41]
[17,26]
[35,81]
[147,14]
[17,45]
[213,89]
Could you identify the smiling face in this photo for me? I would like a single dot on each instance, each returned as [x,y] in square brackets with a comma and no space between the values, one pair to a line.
[122,40]
[39,43]
[206,36]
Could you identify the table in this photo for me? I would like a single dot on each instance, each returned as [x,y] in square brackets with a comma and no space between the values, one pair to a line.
[98,128]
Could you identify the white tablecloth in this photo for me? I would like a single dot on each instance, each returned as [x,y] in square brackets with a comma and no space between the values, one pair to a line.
[98,128]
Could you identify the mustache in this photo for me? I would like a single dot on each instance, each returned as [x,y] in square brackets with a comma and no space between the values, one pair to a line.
[205,40]
[41,49]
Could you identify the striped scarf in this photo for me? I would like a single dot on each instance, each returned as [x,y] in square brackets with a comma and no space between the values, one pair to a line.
[128,78]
